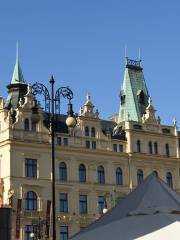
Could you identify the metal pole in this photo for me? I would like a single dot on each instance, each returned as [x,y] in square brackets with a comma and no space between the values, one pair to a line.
[53,160]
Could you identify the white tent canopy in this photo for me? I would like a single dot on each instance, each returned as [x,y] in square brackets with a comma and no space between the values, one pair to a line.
[152,211]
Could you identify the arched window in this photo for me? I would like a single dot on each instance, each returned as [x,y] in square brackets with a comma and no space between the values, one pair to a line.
[141,97]
[33,126]
[150,148]
[101,175]
[82,173]
[26,124]
[169,179]
[155,173]
[93,132]
[87,131]
[155,148]
[119,176]
[31,201]
[138,146]
[62,171]
[167,149]
[139,176]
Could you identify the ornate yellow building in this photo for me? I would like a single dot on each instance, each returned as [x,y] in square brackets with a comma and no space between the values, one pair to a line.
[97,162]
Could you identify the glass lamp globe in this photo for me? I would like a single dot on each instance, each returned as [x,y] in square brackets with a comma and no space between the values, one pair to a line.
[32,235]
[105,210]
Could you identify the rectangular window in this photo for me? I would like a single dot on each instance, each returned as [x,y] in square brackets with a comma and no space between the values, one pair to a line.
[120,147]
[101,204]
[63,232]
[63,202]
[30,167]
[87,144]
[93,145]
[115,147]
[29,230]
[167,150]
[59,140]
[65,141]
[82,203]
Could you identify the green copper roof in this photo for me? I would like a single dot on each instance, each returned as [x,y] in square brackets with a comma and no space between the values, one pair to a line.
[17,74]
[134,94]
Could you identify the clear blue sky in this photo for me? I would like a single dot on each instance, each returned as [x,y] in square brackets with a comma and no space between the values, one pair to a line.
[82,43]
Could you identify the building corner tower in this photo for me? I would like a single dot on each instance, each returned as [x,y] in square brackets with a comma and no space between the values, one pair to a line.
[134,93]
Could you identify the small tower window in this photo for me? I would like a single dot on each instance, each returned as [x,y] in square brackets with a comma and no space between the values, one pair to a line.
[87,131]
[26,124]
[141,97]
[123,97]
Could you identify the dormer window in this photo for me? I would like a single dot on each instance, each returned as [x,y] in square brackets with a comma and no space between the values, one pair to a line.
[123,99]
[122,96]
[141,97]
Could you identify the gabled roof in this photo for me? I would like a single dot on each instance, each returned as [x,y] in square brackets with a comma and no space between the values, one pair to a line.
[132,89]
[152,196]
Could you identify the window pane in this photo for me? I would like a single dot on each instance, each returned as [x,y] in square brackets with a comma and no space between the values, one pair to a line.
[86,131]
[120,147]
[82,203]
[93,132]
[59,140]
[93,145]
[82,173]
[63,202]
[31,201]
[62,172]
[101,204]
[30,167]
[101,175]
[119,177]
[169,179]
[115,147]
[33,126]
[29,229]
[65,141]
[87,144]
[63,232]
[139,177]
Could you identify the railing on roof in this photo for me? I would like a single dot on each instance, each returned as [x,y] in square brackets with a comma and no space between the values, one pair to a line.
[133,63]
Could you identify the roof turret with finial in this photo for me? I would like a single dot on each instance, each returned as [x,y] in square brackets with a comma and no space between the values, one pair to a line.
[88,109]
[18,87]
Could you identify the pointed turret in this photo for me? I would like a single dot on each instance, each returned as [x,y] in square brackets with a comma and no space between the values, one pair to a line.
[17,88]
[134,94]
[17,73]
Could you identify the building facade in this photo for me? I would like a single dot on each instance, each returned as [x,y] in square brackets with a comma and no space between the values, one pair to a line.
[97,162]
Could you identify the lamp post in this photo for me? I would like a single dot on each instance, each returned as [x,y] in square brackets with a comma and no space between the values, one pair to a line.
[52,106]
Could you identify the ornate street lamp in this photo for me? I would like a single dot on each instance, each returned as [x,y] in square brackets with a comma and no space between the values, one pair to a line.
[52,106]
